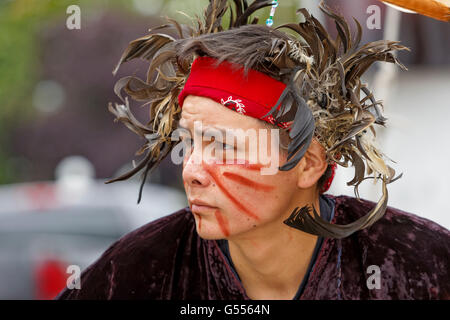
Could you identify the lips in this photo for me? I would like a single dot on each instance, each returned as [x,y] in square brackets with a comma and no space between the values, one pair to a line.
[200,206]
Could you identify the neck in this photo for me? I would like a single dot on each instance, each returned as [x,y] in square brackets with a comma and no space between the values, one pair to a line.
[272,260]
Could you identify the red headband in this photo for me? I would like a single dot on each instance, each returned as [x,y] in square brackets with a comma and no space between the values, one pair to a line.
[253,96]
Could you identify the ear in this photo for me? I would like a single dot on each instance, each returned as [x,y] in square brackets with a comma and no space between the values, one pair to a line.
[312,166]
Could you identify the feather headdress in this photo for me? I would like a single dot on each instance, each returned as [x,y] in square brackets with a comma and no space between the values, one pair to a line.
[324,96]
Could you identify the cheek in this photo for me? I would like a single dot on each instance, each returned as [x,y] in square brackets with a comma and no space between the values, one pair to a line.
[254,184]
[235,187]
[265,195]
[247,192]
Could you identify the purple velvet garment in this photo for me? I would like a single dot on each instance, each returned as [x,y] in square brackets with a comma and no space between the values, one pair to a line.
[166,259]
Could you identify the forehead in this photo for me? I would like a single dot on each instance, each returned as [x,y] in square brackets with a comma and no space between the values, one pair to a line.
[214,114]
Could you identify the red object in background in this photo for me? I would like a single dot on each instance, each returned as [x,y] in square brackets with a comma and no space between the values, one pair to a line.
[41,196]
[50,278]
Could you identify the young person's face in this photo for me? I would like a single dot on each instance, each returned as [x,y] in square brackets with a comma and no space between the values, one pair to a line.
[239,197]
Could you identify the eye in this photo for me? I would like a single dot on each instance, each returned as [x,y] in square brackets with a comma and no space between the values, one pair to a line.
[223,146]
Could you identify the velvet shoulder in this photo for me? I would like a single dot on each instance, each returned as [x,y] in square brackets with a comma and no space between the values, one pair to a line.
[412,252]
[137,264]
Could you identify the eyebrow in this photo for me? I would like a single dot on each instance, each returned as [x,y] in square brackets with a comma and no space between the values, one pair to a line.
[209,132]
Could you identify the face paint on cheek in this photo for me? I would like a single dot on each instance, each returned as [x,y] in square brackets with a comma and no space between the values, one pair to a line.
[247,165]
[215,175]
[223,223]
[247,182]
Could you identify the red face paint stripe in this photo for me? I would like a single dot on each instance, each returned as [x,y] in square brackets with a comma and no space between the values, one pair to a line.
[253,166]
[222,223]
[228,194]
[247,182]
[246,164]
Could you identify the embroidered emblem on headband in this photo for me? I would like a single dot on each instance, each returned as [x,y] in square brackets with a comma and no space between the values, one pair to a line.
[236,104]
[271,119]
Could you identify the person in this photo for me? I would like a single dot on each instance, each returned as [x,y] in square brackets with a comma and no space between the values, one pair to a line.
[251,232]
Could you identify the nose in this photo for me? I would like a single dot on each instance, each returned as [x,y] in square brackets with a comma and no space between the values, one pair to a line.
[194,174]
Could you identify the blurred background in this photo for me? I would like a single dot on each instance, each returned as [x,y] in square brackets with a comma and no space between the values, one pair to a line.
[58,142]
